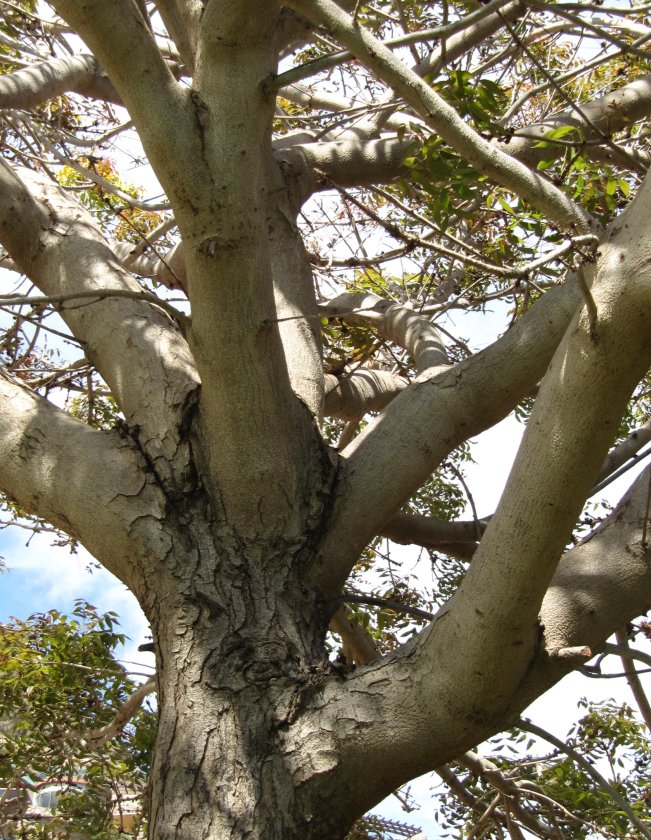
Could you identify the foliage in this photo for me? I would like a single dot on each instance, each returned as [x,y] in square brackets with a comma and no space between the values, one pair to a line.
[608,737]
[126,223]
[61,682]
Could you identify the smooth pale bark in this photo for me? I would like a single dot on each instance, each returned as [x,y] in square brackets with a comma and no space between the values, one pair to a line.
[50,463]
[178,20]
[37,83]
[293,288]
[597,366]
[394,455]
[235,336]
[627,450]
[603,117]
[398,324]
[427,531]
[168,270]
[604,580]
[350,397]
[152,376]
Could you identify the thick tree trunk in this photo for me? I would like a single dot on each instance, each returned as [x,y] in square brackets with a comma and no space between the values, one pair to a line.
[220,771]
[239,657]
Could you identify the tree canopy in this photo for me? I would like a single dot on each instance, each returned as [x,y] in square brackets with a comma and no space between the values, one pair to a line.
[375,231]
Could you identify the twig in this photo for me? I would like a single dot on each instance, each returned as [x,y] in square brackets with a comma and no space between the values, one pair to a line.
[91,295]
[351,597]
[99,737]
[633,679]
[627,652]
[603,783]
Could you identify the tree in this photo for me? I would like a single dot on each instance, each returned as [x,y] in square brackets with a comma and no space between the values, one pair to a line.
[61,686]
[198,460]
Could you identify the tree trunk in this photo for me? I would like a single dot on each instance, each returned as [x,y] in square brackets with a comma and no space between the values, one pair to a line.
[238,661]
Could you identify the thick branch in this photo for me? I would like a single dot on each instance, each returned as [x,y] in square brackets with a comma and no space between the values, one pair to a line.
[390,459]
[294,295]
[625,451]
[232,261]
[87,483]
[55,243]
[410,528]
[358,646]
[125,46]
[604,116]
[178,28]
[347,163]
[575,418]
[169,270]
[37,83]
[350,397]
[398,324]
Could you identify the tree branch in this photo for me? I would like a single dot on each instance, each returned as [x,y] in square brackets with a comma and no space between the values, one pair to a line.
[408,528]
[511,788]
[463,25]
[632,677]
[55,243]
[49,463]
[294,296]
[625,451]
[596,366]
[598,586]
[442,118]
[91,296]
[98,737]
[125,46]
[33,85]
[179,27]
[358,646]
[388,461]
[351,396]
[398,324]
[600,118]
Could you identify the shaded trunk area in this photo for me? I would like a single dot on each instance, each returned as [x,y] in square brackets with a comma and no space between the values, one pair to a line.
[238,752]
